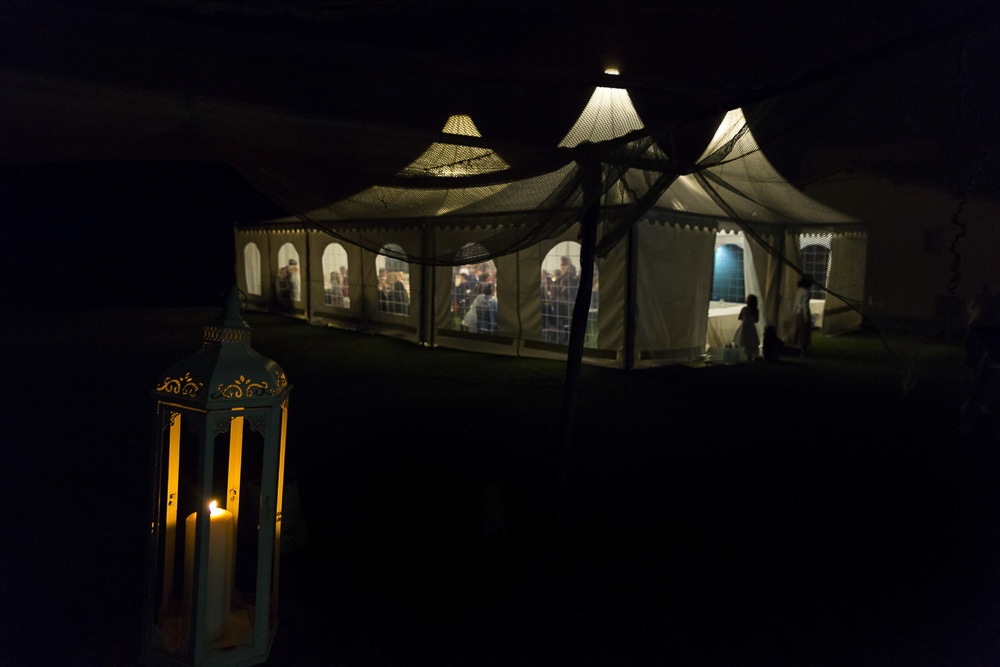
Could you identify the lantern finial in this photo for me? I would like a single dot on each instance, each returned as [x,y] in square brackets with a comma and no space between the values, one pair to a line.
[231,317]
[229,327]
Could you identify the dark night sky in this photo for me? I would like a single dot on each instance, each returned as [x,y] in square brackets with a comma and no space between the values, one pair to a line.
[122,234]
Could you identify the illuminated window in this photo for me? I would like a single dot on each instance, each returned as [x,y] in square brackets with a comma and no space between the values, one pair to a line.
[560,280]
[816,262]
[336,288]
[393,281]
[474,296]
[289,280]
[727,276]
[251,267]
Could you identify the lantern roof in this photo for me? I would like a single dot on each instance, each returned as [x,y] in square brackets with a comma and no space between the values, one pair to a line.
[226,372]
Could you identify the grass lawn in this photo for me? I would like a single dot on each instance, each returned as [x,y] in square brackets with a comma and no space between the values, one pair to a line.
[805,513]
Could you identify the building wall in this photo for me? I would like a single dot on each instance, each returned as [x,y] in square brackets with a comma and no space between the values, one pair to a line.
[910,231]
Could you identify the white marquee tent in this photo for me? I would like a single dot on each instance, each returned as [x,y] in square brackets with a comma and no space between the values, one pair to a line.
[652,290]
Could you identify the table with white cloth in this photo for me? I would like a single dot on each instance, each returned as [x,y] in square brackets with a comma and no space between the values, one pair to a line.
[723,321]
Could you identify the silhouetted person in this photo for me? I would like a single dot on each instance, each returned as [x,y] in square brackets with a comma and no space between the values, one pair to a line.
[746,336]
[772,345]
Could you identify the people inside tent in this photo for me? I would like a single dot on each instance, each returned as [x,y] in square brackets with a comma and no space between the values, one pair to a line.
[394,297]
[746,337]
[772,345]
[803,316]
[335,291]
[548,309]
[482,314]
[289,281]
[470,282]
[284,286]
[295,280]
[465,291]
[383,291]
[562,298]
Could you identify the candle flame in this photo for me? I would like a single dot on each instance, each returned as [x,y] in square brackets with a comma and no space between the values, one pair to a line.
[214,508]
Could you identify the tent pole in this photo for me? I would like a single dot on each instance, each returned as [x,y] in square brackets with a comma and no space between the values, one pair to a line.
[776,279]
[306,291]
[426,330]
[364,291]
[581,311]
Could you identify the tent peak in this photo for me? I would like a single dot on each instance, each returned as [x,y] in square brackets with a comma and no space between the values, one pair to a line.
[449,160]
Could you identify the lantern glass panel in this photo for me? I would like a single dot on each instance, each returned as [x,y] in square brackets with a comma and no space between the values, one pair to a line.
[248,534]
[180,444]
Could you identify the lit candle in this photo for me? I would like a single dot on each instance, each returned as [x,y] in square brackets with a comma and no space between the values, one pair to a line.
[218,584]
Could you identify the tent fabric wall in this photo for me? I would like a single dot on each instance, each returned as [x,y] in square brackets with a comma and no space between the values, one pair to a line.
[320,312]
[672,265]
[260,239]
[847,278]
[756,277]
[297,240]
[609,350]
[519,316]
[408,326]
[508,321]
[788,286]
[674,283]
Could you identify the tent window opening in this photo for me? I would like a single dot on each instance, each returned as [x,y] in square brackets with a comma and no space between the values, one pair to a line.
[727,276]
[560,279]
[336,286]
[393,281]
[251,268]
[474,297]
[816,262]
[289,282]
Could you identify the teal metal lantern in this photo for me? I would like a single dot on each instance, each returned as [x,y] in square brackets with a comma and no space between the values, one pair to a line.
[219,455]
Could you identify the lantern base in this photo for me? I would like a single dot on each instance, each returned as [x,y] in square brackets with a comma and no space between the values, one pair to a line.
[172,632]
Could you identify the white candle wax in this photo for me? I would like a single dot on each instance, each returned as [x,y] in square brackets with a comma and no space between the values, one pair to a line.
[218,585]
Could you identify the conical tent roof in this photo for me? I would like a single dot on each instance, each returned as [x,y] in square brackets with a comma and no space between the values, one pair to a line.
[731,181]
[454,159]
[439,160]
[609,114]
[735,181]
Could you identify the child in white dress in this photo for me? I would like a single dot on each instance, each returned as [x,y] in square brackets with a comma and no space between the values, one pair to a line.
[746,336]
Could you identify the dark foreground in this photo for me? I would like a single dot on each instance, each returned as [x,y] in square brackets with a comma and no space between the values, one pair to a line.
[799,514]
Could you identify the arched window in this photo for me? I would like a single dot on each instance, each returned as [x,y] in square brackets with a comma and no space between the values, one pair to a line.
[336,289]
[560,280]
[816,262]
[289,277]
[727,276]
[393,281]
[474,295]
[251,267]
